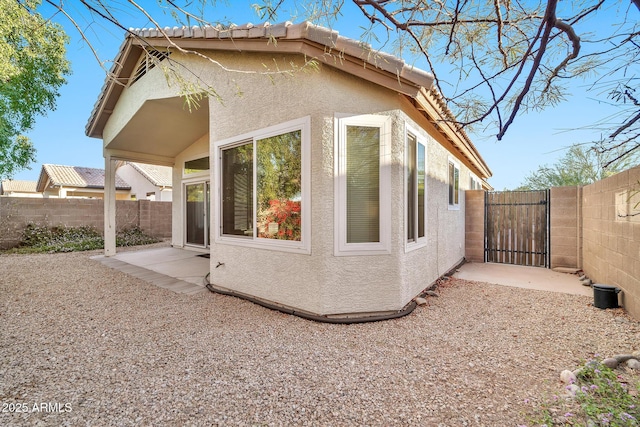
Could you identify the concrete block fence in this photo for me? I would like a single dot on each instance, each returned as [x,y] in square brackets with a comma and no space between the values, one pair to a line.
[595,228]
[154,218]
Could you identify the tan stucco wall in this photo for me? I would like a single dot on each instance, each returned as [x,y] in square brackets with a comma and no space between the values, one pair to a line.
[322,283]
[566,227]
[319,282]
[153,85]
[611,239]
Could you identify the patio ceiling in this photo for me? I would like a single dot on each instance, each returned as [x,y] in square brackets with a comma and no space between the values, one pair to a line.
[163,127]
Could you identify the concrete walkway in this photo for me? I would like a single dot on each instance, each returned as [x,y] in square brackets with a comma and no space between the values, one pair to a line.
[179,270]
[542,279]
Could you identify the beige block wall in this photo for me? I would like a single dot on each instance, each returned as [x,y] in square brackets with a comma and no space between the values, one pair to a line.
[474,225]
[611,235]
[566,236]
[16,212]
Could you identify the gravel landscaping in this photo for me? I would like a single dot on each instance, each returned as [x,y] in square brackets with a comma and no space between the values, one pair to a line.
[99,347]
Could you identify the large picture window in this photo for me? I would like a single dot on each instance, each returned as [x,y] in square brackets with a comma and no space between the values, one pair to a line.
[363,211]
[264,186]
[279,186]
[415,185]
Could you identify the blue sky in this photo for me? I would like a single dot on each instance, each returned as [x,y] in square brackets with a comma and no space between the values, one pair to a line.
[533,140]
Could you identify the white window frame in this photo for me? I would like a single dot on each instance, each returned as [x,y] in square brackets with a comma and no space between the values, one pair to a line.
[420,241]
[195,175]
[200,178]
[304,245]
[473,178]
[453,206]
[341,247]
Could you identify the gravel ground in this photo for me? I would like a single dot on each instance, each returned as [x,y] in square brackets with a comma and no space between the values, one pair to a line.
[99,347]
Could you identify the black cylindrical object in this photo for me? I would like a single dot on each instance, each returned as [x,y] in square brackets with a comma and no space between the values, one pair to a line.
[605,296]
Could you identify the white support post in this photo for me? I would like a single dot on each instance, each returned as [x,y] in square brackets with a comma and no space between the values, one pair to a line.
[109,206]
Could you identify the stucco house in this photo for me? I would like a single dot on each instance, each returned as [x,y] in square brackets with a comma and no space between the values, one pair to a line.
[134,181]
[333,192]
[148,182]
[19,188]
[61,181]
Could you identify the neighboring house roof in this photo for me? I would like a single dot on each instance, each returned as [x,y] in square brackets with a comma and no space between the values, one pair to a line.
[18,186]
[160,176]
[316,42]
[75,176]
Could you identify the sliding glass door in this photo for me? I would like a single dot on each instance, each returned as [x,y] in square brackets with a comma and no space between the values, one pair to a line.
[197,213]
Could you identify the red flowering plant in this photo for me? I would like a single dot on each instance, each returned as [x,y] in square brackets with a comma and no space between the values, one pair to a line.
[280,220]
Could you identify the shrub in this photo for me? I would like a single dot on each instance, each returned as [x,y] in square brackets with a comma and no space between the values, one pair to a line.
[603,397]
[134,236]
[36,239]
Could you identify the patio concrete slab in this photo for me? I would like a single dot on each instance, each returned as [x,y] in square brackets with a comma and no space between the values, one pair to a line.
[179,270]
[542,279]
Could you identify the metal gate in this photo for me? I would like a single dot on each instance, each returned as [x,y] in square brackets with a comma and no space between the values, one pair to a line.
[517,228]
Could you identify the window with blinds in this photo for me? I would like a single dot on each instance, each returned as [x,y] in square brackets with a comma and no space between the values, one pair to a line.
[363,184]
[237,190]
[415,186]
[454,185]
[363,206]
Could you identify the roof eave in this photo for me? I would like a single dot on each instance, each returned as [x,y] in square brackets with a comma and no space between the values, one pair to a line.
[115,82]
[315,42]
[433,105]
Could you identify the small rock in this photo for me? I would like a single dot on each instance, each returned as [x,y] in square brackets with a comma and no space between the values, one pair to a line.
[621,358]
[568,270]
[432,294]
[636,354]
[610,362]
[420,301]
[633,364]
[567,377]
[586,282]
[582,277]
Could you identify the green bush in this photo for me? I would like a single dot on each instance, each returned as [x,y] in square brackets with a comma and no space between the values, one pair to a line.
[603,397]
[133,237]
[39,239]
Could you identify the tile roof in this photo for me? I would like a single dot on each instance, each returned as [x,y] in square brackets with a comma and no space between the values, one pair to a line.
[160,176]
[315,42]
[18,186]
[76,176]
[326,37]
[321,43]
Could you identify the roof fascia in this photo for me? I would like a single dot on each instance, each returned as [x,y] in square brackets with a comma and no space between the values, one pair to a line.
[116,80]
[334,57]
[430,103]
[384,72]
[43,179]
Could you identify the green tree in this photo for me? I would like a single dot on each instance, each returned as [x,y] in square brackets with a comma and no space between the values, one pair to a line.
[579,166]
[32,69]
